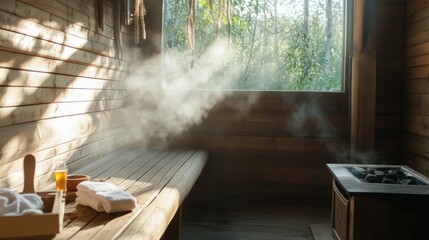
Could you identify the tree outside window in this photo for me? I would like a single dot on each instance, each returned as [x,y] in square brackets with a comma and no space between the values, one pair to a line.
[295,45]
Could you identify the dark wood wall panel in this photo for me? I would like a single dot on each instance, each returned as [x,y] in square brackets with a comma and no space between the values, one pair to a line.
[276,149]
[416,86]
[389,28]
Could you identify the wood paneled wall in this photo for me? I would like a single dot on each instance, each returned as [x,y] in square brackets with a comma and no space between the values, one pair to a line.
[60,86]
[416,86]
[275,149]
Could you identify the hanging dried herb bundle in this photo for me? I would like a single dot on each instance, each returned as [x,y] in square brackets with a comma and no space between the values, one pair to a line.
[190,27]
[139,21]
[223,10]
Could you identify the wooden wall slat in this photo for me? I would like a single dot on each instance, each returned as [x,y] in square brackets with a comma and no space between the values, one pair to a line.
[418,163]
[335,104]
[417,124]
[417,145]
[290,129]
[299,177]
[418,50]
[416,104]
[309,112]
[421,37]
[256,143]
[417,61]
[272,159]
[416,72]
[24,114]
[32,63]
[23,78]
[416,86]
[15,96]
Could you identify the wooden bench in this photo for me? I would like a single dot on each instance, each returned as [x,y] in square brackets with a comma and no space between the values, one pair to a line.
[159,179]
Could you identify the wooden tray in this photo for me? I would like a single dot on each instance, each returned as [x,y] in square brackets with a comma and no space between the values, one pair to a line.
[45,225]
[36,226]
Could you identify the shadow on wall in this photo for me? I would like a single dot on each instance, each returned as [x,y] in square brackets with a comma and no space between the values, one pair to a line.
[58,91]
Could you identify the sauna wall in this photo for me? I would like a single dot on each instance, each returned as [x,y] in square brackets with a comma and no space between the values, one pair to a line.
[60,87]
[416,86]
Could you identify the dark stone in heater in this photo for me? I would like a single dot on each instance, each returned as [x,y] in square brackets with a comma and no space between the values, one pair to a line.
[370,170]
[388,181]
[373,178]
[392,176]
[410,180]
[396,174]
[379,173]
[359,172]
[407,181]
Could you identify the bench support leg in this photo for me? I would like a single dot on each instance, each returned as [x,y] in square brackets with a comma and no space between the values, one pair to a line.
[173,230]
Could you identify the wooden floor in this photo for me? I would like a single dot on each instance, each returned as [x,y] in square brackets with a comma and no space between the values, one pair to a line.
[257,223]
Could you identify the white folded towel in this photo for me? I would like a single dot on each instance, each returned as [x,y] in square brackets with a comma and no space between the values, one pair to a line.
[13,203]
[103,196]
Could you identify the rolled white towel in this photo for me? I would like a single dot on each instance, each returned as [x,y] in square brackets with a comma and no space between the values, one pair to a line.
[103,196]
[95,187]
[13,203]
[89,199]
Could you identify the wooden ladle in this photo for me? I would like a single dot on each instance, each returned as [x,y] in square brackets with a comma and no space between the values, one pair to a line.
[29,170]
[48,197]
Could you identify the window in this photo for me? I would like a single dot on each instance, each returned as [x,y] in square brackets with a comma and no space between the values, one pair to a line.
[276,44]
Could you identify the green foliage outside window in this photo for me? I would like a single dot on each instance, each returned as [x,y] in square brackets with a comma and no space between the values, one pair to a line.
[280,44]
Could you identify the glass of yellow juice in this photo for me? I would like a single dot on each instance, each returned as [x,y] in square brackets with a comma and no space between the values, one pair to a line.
[61,175]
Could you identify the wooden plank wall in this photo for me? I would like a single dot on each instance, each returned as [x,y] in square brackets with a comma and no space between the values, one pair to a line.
[416,86]
[60,86]
[273,150]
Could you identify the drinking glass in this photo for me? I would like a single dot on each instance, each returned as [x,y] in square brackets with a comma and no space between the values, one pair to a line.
[61,175]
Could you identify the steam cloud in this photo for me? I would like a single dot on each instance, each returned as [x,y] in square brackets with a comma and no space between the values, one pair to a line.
[310,113]
[164,100]
[161,106]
